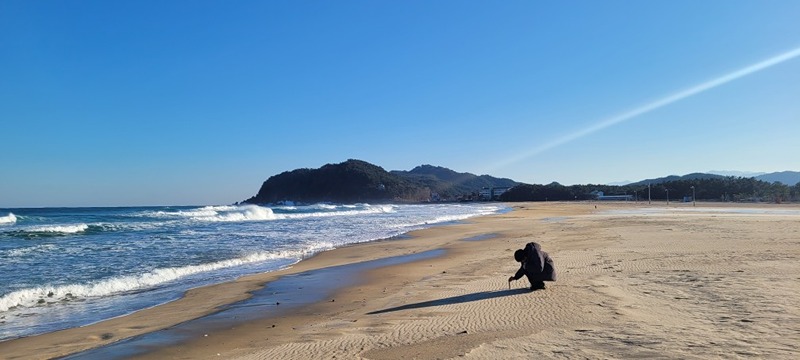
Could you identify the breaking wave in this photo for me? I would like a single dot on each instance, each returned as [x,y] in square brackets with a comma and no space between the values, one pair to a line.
[8,219]
[259,213]
[336,211]
[236,213]
[40,296]
[45,231]
[118,260]
[221,213]
[57,229]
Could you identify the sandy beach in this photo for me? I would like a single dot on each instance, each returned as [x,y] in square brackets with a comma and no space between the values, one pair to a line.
[634,281]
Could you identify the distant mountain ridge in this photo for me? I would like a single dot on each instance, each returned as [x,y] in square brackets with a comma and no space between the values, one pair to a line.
[356,181]
[359,181]
[790,178]
[784,177]
[450,184]
[735,173]
[692,176]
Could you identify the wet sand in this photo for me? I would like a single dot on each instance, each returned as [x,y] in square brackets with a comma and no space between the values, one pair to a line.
[635,280]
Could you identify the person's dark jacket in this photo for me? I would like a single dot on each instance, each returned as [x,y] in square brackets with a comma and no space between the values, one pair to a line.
[538,265]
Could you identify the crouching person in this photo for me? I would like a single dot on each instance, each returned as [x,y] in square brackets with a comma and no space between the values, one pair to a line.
[535,264]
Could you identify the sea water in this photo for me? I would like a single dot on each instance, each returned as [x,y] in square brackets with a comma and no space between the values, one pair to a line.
[69,267]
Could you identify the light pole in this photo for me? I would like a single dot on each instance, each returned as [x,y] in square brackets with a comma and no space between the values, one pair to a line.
[694,200]
[667,190]
[648,193]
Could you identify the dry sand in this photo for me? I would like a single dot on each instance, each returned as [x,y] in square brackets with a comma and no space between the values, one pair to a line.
[635,280]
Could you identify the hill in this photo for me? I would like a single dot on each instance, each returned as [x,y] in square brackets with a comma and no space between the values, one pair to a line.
[348,182]
[785,177]
[359,181]
[450,184]
[692,176]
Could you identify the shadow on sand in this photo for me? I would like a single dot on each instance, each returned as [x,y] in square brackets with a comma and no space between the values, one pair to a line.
[455,300]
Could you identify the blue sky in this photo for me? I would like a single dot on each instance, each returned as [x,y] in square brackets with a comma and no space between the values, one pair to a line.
[110,103]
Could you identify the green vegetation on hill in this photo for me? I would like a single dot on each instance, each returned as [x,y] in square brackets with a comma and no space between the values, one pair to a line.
[349,182]
[449,184]
[716,188]
[692,176]
[358,181]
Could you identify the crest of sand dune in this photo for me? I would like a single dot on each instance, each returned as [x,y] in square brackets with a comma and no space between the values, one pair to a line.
[634,281]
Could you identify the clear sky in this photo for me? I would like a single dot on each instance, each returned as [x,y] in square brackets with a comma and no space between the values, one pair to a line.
[111,103]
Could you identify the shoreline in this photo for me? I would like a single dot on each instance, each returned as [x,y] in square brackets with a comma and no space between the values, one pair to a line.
[194,304]
[640,285]
[283,296]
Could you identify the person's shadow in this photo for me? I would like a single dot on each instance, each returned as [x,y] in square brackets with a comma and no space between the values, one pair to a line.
[455,300]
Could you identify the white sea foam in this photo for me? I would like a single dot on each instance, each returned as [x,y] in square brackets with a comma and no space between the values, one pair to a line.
[237,213]
[29,250]
[117,285]
[448,218]
[260,213]
[370,209]
[96,262]
[220,213]
[8,219]
[200,212]
[132,226]
[437,220]
[59,229]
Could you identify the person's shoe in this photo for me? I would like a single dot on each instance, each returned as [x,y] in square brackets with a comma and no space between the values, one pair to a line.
[539,286]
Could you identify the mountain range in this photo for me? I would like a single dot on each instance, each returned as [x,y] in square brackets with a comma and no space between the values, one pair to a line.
[359,181]
[784,177]
[790,178]
[355,181]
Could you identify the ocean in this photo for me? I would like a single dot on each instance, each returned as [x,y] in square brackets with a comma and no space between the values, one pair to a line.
[69,267]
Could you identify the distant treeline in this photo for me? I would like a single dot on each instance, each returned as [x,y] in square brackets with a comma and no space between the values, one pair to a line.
[719,189]
[359,181]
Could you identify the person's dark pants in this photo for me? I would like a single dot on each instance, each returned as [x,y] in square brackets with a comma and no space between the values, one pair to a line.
[535,284]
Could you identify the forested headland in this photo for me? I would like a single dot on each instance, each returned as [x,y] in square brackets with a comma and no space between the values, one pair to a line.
[356,181]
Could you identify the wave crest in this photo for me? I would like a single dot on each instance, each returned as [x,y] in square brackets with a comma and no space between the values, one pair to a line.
[343,210]
[59,229]
[8,219]
[44,295]
[221,213]
[241,213]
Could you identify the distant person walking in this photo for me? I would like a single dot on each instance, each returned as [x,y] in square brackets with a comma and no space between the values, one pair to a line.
[535,264]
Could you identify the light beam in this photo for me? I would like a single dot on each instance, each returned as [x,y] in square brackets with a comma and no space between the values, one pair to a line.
[722,80]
